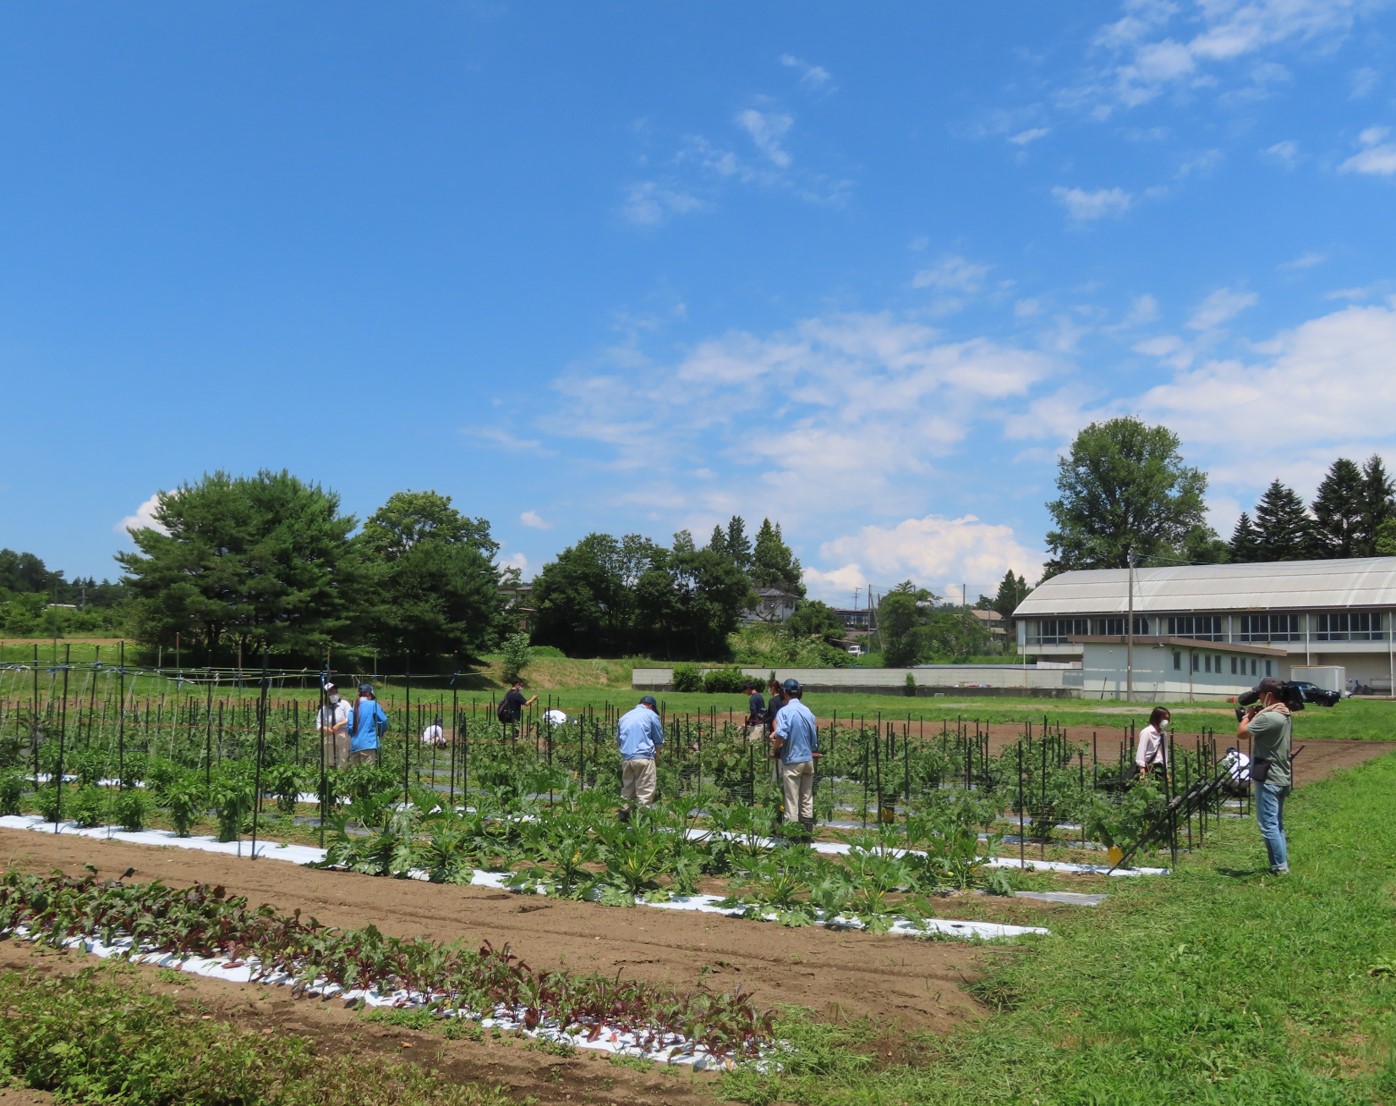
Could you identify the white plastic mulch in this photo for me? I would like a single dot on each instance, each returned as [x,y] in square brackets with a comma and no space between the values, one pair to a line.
[673,1048]
[707,904]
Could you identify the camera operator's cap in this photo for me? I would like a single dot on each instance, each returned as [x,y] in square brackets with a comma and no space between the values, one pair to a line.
[1270,684]
[648,701]
[791,684]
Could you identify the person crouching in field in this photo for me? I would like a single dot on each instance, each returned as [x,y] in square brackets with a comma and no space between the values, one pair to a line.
[639,734]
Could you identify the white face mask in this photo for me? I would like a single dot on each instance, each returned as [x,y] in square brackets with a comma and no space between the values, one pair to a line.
[1163,725]
[334,699]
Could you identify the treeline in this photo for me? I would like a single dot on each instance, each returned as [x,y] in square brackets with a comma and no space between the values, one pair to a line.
[35,599]
[608,596]
[1353,514]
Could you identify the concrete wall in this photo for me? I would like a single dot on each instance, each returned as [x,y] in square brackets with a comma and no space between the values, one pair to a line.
[967,679]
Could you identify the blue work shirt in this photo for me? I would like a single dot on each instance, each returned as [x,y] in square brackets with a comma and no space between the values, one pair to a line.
[796,726]
[639,733]
[368,716]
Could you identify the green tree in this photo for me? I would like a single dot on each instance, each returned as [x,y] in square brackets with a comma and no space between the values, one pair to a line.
[586,597]
[435,590]
[1012,591]
[953,632]
[774,564]
[1378,505]
[815,619]
[1337,511]
[902,616]
[242,562]
[1124,494]
[1282,525]
[738,544]
[1244,547]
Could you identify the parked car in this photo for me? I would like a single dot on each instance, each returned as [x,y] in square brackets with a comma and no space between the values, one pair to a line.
[858,650]
[1312,693]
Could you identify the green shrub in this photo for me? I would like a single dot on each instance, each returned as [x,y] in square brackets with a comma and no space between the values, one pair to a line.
[11,792]
[130,808]
[549,652]
[688,677]
[181,792]
[87,806]
[516,654]
[722,681]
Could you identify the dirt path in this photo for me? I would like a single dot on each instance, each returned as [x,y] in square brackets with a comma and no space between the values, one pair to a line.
[900,983]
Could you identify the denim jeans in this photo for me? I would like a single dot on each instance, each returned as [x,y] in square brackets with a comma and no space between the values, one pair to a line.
[1270,816]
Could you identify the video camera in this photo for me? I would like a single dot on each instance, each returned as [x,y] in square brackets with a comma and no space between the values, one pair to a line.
[1291,695]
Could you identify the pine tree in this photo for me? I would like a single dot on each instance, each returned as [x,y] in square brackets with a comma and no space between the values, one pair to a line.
[738,544]
[1337,509]
[1282,524]
[774,564]
[1245,541]
[1378,506]
[718,542]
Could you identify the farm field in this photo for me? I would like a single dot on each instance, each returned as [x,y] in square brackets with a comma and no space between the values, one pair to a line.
[891,994]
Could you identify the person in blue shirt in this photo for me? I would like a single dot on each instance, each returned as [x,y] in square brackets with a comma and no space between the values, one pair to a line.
[795,742]
[755,712]
[639,734]
[366,722]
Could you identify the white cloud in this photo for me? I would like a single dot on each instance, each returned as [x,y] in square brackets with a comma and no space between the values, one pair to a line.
[1310,388]
[648,203]
[1304,261]
[144,518]
[534,521]
[767,129]
[940,553]
[1286,153]
[1221,306]
[1364,82]
[1086,207]
[519,561]
[952,273]
[1144,309]
[1027,308]
[812,77]
[1032,134]
[1168,348]
[1378,155]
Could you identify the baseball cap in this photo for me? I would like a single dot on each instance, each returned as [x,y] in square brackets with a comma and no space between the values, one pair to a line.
[328,688]
[648,700]
[791,684]
[1270,684]
[365,689]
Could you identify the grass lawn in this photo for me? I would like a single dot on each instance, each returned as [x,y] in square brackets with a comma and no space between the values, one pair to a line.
[1220,984]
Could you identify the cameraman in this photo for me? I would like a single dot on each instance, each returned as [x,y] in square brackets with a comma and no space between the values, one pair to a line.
[1268,724]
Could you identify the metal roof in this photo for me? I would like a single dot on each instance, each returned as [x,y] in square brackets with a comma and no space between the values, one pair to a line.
[1364,582]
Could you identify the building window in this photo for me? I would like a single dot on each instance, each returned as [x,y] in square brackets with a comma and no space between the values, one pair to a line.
[1177,660]
[1233,666]
[1115,627]
[1252,666]
[1207,662]
[1267,668]
[1216,660]
[1056,631]
[1195,663]
[1349,626]
[1205,627]
[1269,627]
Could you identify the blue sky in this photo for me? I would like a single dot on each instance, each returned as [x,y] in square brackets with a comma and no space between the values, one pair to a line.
[863,269]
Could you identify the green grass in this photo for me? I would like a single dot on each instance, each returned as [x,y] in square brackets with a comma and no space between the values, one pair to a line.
[1221,984]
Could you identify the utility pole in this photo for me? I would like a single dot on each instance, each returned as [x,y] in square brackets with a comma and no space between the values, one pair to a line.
[1129,631]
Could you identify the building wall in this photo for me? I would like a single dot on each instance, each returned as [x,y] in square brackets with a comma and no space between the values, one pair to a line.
[1171,672]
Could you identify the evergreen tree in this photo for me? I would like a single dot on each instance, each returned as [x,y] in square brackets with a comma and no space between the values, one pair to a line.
[738,544]
[1282,525]
[1012,591]
[1338,508]
[718,542]
[774,564]
[1244,546]
[1378,506]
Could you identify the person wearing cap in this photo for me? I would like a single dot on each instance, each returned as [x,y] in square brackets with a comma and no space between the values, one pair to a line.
[1267,722]
[434,735]
[795,742]
[333,723]
[513,705]
[755,712]
[639,734]
[1237,767]
[366,722]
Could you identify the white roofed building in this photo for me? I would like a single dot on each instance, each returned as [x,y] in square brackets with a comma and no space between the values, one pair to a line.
[1307,613]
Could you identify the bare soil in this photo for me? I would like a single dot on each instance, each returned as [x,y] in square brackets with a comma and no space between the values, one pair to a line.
[899,984]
